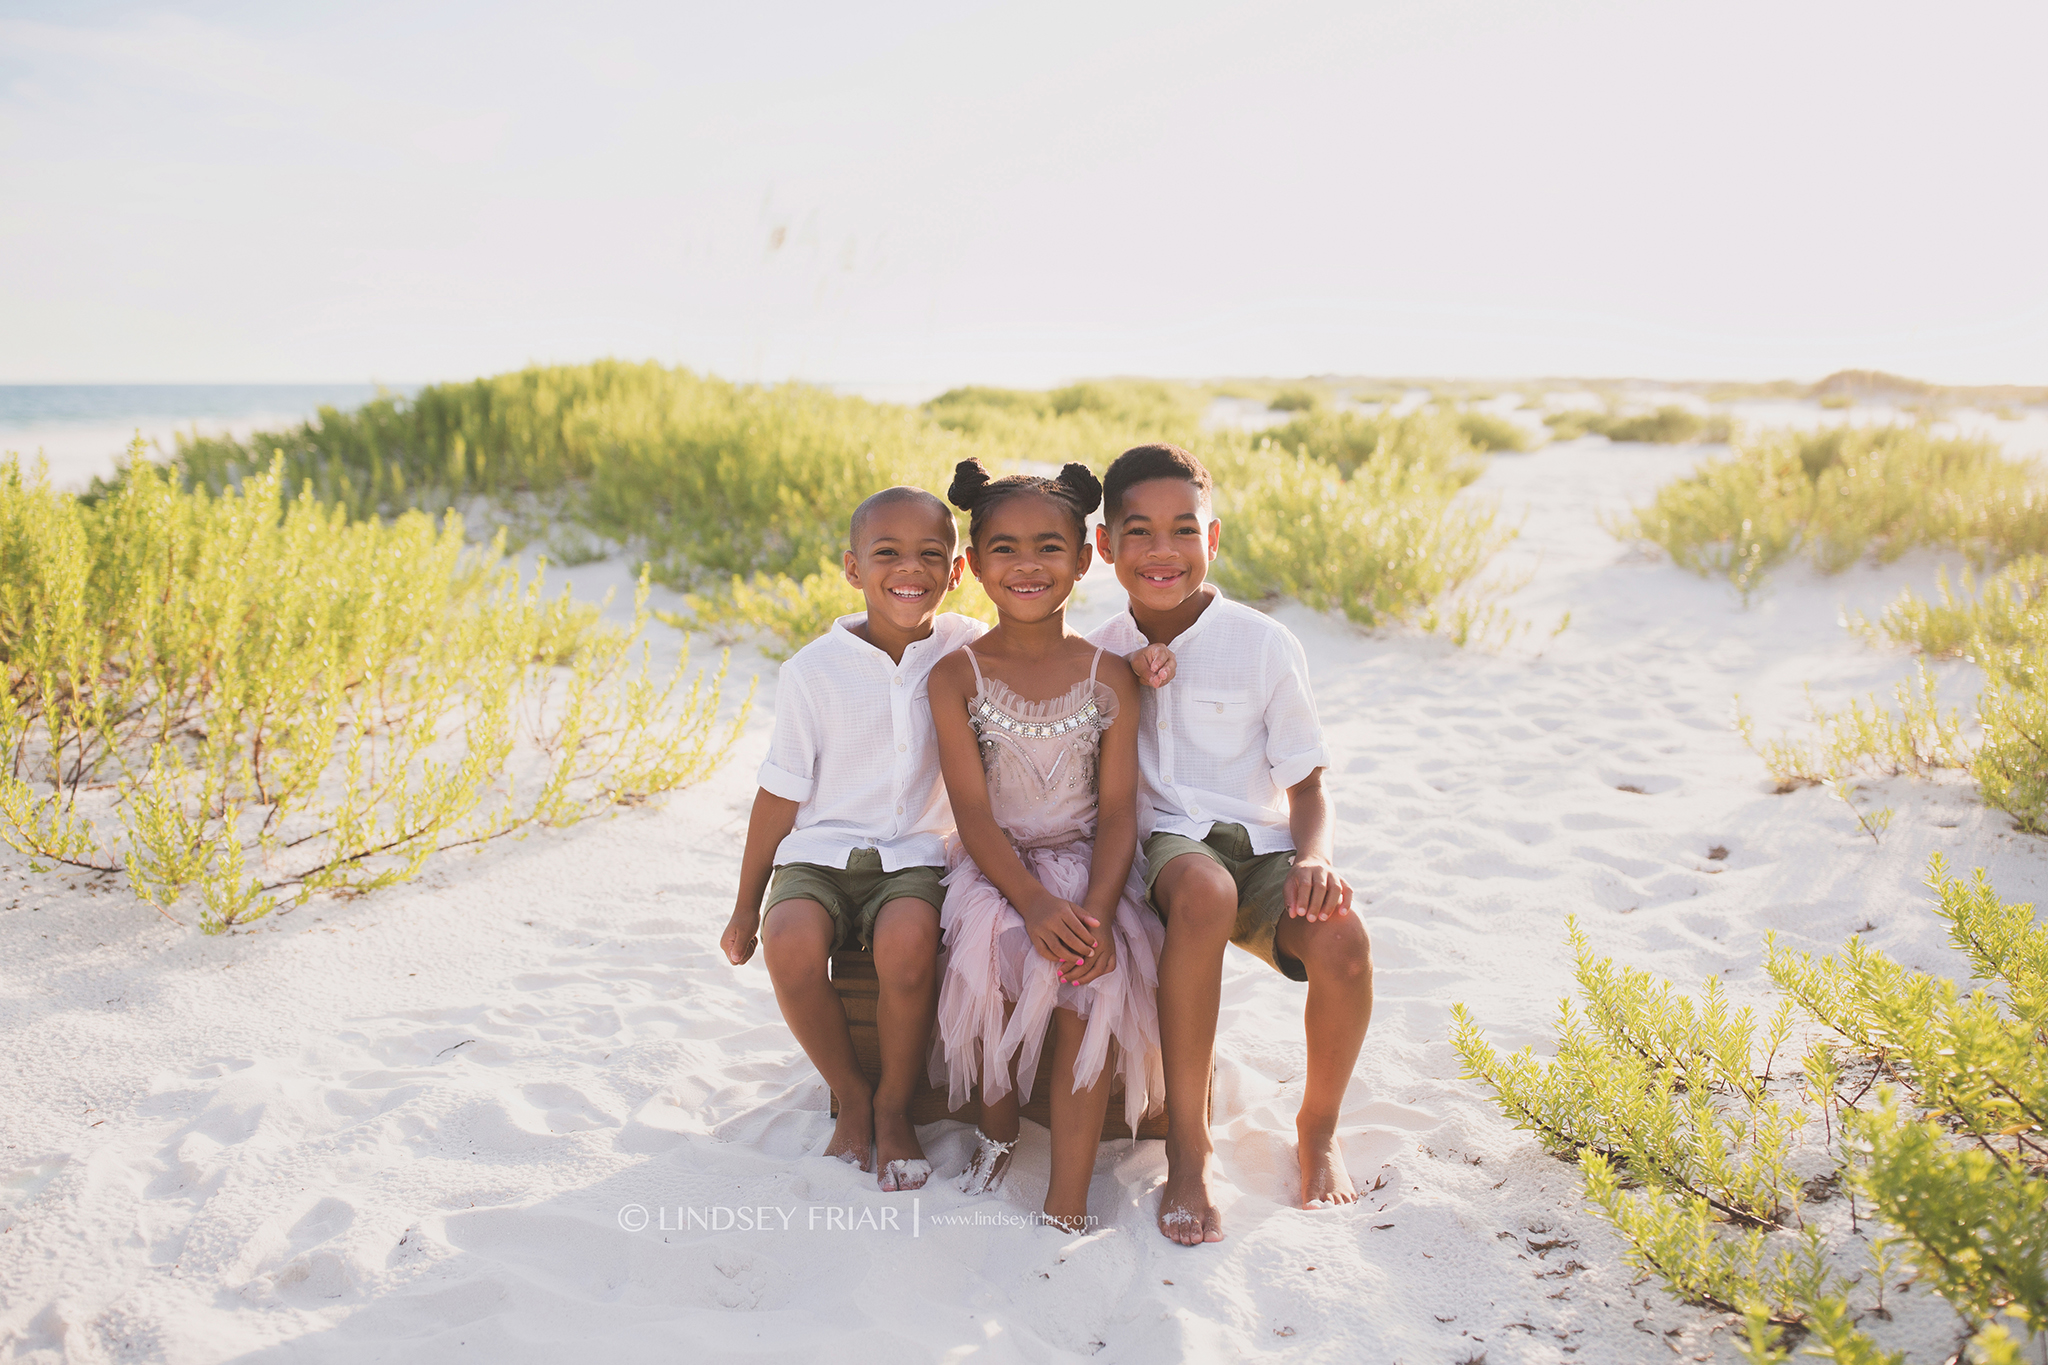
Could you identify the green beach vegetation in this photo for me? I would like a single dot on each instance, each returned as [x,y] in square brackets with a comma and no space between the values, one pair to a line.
[737,495]
[1837,494]
[1671,424]
[256,698]
[1723,1158]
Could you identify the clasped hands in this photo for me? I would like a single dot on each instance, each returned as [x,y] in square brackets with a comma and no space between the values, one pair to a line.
[1070,938]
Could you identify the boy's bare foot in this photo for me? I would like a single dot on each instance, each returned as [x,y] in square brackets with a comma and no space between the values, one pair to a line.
[1325,1183]
[1185,1213]
[899,1157]
[853,1135]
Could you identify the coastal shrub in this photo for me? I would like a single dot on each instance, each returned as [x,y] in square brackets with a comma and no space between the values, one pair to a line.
[1839,494]
[703,477]
[1429,444]
[1867,738]
[255,699]
[1380,542]
[1296,399]
[738,495]
[1719,1169]
[1490,432]
[2003,627]
[1668,425]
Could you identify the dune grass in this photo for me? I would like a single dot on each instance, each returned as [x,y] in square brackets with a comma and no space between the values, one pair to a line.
[2002,625]
[257,698]
[1715,1150]
[703,478]
[1491,433]
[1671,424]
[738,495]
[1839,494]
[1295,399]
[1359,515]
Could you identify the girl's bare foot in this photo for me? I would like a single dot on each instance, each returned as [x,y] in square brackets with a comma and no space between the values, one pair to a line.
[853,1135]
[1325,1183]
[899,1156]
[991,1162]
[1186,1214]
[1066,1222]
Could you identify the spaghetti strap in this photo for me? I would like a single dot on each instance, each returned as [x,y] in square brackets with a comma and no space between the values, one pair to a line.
[975,663]
[1094,663]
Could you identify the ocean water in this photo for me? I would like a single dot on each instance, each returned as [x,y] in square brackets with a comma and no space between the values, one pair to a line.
[80,429]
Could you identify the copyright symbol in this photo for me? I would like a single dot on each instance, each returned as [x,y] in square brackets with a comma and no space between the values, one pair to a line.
[632,1217]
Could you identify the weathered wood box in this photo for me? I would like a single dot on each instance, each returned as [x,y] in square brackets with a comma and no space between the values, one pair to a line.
[853,974]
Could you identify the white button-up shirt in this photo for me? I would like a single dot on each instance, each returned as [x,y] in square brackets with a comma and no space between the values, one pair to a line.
[1231,733]
[854,747]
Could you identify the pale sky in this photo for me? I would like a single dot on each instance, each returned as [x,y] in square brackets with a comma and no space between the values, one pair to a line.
[930,193]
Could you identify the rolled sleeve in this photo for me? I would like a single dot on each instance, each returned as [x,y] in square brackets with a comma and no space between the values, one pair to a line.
[788,786]
[1294,737]
[791,769]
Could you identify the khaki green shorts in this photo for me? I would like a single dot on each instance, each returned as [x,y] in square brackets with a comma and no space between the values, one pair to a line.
[1261,887]
[855,894]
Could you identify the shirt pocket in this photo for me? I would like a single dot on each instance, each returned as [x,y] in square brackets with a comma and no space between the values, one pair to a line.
[1219,720]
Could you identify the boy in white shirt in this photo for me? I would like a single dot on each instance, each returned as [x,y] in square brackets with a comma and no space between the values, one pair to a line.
[1237,837]
[851,818]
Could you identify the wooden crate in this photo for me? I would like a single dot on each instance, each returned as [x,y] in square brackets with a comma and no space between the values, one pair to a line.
[853,975]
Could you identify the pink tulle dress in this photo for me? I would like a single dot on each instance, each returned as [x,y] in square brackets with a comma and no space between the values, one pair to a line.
[1040,761]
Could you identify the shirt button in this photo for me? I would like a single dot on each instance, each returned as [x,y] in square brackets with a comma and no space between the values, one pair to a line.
[902,748]
[1219,708]
[1194,810]
[1162,725]
[899,810]
[899,682]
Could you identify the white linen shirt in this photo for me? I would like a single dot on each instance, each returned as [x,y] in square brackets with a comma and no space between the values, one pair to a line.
[854,747]
[1231,733]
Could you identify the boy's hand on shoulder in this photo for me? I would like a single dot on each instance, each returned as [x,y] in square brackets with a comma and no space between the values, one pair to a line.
[1059,929]
[1154,665]
[1316,890]
[741,936]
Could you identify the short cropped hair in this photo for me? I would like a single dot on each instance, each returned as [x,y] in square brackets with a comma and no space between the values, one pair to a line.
[889,497]
[1142,464]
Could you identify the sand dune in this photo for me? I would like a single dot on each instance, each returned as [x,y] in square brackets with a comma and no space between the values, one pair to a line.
[470,1118]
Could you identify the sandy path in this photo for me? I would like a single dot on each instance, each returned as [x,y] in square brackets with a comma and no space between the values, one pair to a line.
[406,1128]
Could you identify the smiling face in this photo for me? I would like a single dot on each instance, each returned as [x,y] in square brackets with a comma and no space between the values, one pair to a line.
[904,563]
[1030,555]
[1161,542]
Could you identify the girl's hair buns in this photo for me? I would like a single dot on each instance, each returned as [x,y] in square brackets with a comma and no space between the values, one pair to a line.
[1083,488]
[970,482]
[975,491]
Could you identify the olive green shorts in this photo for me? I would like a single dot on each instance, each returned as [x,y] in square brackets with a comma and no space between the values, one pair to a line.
[855,894]
[1261,887]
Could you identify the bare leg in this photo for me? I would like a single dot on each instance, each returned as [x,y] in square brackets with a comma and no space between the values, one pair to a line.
[906,964]
[1201,908]
[796,941]
[1339,961]
[1076,1125]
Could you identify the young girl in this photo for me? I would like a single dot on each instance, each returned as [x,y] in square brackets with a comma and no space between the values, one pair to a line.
[1044,922]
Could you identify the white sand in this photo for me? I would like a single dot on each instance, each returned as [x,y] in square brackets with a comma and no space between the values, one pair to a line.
[405,1128]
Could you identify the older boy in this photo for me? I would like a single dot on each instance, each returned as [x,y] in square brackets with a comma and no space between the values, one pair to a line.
[1237,840]
[850,818]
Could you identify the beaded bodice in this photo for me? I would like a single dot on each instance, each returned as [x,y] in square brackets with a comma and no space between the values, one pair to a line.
[1040,757]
